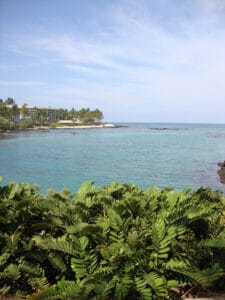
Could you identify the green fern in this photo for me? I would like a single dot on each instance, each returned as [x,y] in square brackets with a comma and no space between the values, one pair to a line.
[114,242]
[141,286]
[64,290]
[57,262]
[123,286]
[103,290]
[204,277]
[38,283]
[157,283]
[12,271]
[60,244]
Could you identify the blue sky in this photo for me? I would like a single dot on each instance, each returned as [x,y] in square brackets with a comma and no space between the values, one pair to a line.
[143,60]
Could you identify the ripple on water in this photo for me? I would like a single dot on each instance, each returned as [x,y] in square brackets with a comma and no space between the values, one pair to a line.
[180,156]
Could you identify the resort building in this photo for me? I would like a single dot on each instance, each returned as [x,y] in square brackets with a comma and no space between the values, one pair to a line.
[48,112]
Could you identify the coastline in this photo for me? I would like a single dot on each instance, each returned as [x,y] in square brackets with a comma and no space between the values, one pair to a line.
[85,126]
[221,171]
[4,134]
[107,125]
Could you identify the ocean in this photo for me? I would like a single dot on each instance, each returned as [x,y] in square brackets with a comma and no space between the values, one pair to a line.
[175,155]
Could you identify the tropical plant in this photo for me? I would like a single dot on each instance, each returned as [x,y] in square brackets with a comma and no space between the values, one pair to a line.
[114,242]
[24,213]
[25,124]
[127,244]
[4,124]
[9,101]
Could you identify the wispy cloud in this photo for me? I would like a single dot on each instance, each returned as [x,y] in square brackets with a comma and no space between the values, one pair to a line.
[20,83]
[148,53]
[134,41]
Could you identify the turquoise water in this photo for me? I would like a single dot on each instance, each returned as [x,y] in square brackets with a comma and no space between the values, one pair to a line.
[176,155]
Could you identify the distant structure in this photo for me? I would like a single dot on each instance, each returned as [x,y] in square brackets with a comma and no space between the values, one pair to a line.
[27,112]
[46,115]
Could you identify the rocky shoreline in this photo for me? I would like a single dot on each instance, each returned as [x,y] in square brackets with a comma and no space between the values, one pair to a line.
[221,171]
[6,134]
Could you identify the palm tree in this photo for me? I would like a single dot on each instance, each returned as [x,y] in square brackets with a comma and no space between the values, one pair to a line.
[15,112]
[24,111]
[9,101]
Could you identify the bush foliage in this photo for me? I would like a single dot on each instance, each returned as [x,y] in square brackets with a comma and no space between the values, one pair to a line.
[114,242]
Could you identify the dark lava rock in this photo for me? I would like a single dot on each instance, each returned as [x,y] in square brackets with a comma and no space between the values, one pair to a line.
[221,171]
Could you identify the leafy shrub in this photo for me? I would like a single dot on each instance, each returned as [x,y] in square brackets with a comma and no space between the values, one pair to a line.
[4,124]
[25,124]
[114,242]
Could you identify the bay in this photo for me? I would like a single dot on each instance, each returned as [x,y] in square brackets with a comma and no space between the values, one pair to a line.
[145,154]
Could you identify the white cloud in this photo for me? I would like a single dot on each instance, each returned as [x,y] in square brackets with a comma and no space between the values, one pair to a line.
[137,59]
[20,83]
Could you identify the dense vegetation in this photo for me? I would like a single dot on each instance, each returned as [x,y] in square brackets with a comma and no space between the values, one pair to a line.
[10,114]
[114,242]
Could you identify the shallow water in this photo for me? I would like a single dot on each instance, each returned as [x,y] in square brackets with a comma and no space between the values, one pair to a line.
[176,155]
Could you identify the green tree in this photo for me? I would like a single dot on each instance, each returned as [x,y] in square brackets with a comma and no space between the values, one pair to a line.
[62,114]
[24,110]
[9,101]
[10,111]
[73,114]
[4,124]
[35,117]
[83,113]
[25,124]
[15,112]
[41,117]
[3,109]
[98,115]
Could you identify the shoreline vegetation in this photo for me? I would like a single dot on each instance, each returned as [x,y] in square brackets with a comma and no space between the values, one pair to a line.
[15,117]
[8,133]
[102,125]
[111,242]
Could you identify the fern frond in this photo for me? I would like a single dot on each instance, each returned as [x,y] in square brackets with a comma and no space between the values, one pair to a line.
[157,283]
[38,283]
[57,262]
[212,274]
[204,277]
[5,289]
[60,244]
[122,287]
[175,262]
[146,293]
[101,273]
[11,271]
[85,228]
[158,233]
[64,290]
[4,258]
[213,243]
[79,267]
[31,269]
[83,191]
[103,290]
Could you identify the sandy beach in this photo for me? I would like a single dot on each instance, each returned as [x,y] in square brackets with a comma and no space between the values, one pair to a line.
[86,126]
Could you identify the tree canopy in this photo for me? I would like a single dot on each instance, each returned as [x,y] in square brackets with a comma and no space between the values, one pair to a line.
[13,115]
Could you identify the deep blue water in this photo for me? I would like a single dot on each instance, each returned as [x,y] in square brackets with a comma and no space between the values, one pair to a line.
[176,155]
